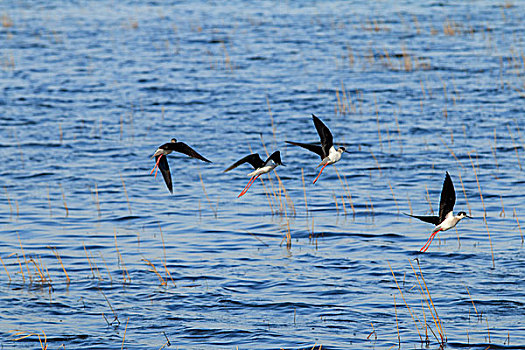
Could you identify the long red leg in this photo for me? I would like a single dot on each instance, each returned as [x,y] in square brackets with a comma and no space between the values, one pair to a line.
[245,187]
[430,239]
[156,166]
[320,172]
[248,186]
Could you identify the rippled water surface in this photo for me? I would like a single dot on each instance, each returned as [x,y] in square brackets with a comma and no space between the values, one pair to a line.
[96,253]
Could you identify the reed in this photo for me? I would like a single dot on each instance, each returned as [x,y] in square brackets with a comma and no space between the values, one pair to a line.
[154,269]
[410,205]
[344,205]
[464,193]
[165,258]
[214,210]
[515,146]
[64,199]
[428,200]
[124,337]
[488,329]
[335,201]
[110,307]
[126,193]
[97,202]
[267,196]
[519,227]
[43,345]
[403,296]
[288,199]
[38,271]
[167,343]
[393,196]
[371,206]
[378,126]
[470,296]
[8,202]
[89,261]
[377,163]
[373,332]
[120,259]
[433,311]
[338,107]
[289,236]
[346,105]
[96,266]
[452,153]
[227,59]
[484,210]
[5,268]
[397,322]
[346,188]
[304,191]
[49,202]
[502,212]
[24,255]
[55,252]
[274,131]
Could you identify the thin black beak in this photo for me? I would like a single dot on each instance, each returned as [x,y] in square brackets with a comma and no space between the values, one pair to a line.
[282,164]
[470,217]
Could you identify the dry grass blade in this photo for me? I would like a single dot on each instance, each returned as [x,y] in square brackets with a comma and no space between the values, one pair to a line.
[377,162]
[60,261]
[484,210]
[518,222]
[64,199]
[154,269]
[394,196]
[214,210]
[89,261]
[126,193]
[5,268]
[515,146]
[124,338]
[257,238]
[435,317]
[468,292]
[465,194]
[402,296]
[24,255]
[304,190]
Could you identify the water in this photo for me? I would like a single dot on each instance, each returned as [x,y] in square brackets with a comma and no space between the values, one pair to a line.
[90,89]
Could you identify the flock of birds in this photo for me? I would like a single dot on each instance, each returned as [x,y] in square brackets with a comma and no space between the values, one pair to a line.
[329,155]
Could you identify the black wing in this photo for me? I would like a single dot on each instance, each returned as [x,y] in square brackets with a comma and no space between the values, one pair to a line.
[165,170]
[310,147]
[430,219]
[181,147]
[448,198]
[327,140]
[254,159]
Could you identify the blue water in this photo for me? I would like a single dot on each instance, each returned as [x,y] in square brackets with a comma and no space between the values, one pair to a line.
[89,90]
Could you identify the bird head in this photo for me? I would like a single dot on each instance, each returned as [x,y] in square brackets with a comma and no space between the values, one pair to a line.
[462,215]
[341,149]
[173,140]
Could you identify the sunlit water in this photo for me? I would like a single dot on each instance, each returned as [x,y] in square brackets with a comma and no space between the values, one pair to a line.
[90,89]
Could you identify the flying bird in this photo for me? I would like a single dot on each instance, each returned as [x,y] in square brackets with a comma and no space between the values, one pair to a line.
[260,167]
[327,152]
[446,219]
[161,162]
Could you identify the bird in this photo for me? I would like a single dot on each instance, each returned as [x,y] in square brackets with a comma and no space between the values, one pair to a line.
[446,219]
[260,167]
[161,161]
[327,152]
